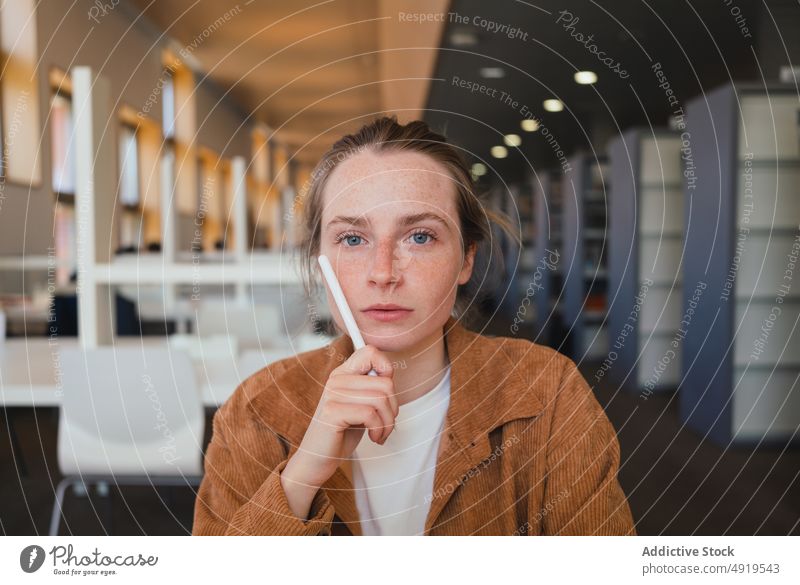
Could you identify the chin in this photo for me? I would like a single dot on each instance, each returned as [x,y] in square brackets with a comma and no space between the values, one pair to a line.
[399,337]
[397,342]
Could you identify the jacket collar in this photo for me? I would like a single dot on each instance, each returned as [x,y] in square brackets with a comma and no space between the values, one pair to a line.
[487,389]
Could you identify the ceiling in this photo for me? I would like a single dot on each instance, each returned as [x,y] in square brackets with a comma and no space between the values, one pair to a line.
[311,70]
[699,45]
[315,70]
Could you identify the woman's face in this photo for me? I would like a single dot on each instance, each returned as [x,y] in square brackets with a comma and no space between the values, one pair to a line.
[391,230]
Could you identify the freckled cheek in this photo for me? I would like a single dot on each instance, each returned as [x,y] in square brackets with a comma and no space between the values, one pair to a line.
[436,274]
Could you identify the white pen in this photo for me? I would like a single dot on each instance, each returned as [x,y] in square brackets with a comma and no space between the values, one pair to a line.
[341,303]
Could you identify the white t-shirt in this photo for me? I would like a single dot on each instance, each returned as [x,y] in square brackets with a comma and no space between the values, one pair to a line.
[393,482]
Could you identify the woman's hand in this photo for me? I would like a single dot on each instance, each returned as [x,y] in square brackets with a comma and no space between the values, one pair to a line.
[351,403]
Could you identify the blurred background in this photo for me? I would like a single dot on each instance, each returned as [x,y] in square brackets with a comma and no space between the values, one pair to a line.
[155,156]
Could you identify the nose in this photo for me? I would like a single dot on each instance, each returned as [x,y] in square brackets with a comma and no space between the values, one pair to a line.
[385,269]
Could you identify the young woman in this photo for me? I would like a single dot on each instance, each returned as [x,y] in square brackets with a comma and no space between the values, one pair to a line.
[459,433]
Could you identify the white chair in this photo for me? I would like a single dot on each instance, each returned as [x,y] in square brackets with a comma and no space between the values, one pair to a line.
[252,325]
[129,415]
[200,348]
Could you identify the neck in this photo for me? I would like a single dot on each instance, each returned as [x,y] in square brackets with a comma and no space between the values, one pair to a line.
[418,369]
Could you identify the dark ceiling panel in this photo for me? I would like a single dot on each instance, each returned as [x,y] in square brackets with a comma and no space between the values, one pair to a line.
[541,44]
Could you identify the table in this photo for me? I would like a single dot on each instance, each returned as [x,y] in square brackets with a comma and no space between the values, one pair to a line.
[28,371]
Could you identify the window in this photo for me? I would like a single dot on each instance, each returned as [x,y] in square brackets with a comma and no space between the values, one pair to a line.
[183,134]
[65,242]
[20,94]
[168,104]
[259,188]
[209,214]
[128,167]
[62,144]
[150,145]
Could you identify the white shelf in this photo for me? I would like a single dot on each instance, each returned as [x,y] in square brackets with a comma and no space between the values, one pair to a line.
[279,271]
[766,402]
[100,269]
[29,262]
[782,330]
[762,263]
[768,126]
[659,362]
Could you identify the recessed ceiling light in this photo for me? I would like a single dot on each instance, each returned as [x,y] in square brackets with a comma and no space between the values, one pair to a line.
[512,140]
[553,105]
[492,72]
[529,125]
[479,169]
[463,38]
[585,77]
[499,152]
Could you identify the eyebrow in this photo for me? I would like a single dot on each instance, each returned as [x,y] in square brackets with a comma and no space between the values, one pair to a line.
[406,220]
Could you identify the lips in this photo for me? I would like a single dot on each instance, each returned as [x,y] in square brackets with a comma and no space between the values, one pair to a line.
[387,312]
[387,307]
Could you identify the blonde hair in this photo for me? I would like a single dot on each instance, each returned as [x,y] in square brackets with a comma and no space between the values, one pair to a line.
[387,135]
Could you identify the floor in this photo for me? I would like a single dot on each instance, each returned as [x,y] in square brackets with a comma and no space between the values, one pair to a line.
[676,483]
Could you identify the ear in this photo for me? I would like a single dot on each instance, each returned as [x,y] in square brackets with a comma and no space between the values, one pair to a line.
[469,262]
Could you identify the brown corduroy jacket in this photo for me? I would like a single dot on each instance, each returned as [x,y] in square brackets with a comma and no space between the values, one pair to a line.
[526,449]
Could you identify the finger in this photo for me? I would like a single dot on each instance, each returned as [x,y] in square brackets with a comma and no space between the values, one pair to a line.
[364,383]
[378,400]
[365,359]
[348,414]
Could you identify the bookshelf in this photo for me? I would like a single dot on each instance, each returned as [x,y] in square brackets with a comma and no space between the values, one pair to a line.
[645,254]
[99,271]
[525,312]
[583,192]
[741,361]
[549,256]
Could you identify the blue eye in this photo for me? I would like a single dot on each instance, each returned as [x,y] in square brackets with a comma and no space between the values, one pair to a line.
[352,240]
[349,239]
[423,234]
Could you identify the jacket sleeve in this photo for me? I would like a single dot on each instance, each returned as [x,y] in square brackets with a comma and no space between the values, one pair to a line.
[582,493]
[241,491]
